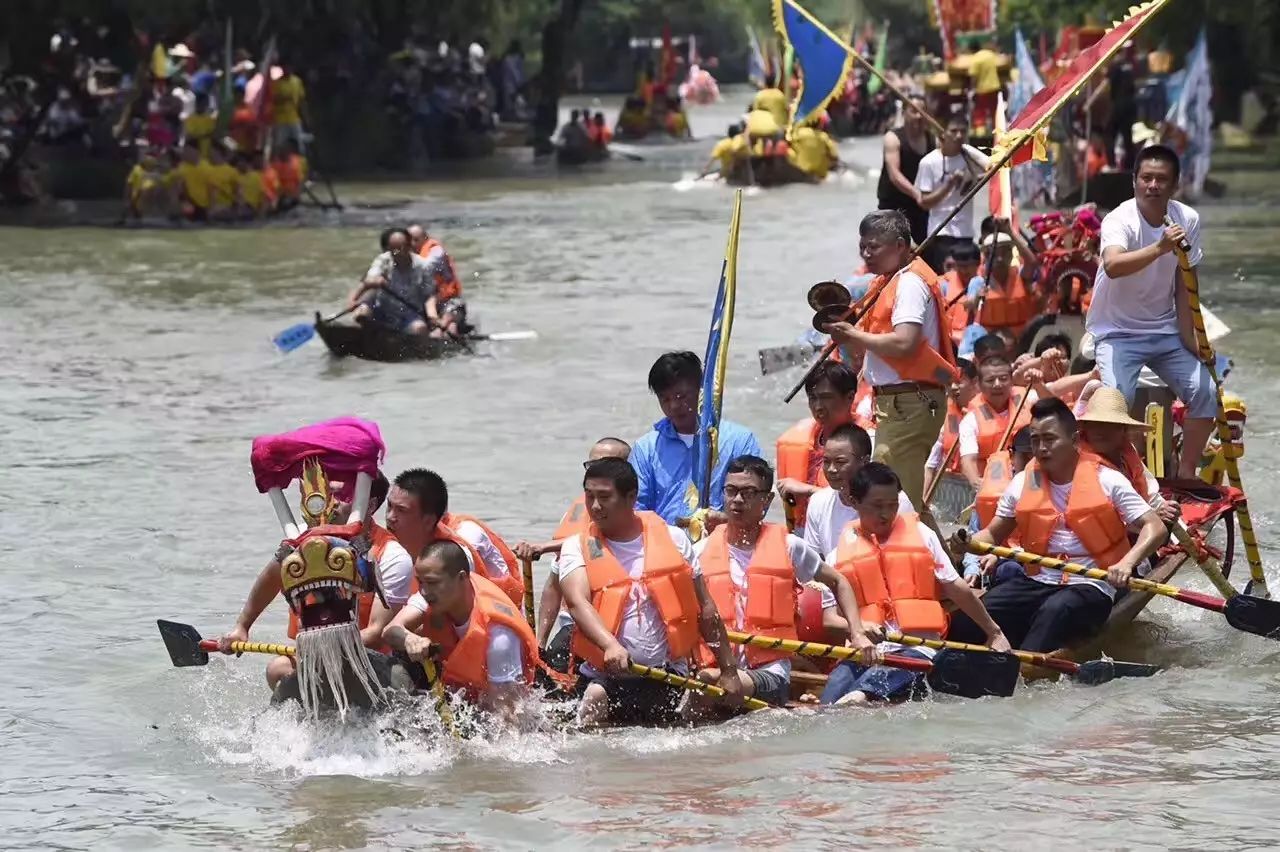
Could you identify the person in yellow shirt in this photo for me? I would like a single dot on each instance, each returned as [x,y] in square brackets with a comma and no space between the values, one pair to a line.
[251,196]
[198,128]
[288,107]
[772,100]
[222,179]
[984,72]
[726,152]
[144,186]
[192,184]
[813,151]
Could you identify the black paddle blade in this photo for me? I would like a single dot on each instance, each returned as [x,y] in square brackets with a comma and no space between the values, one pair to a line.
[974,674]
[1254,615]
[183,643]
[1097,672]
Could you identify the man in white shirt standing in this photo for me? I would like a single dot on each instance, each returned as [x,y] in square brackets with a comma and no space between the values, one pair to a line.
[946,174]
[1139,315]
[910,361]
[1069,506]
[634,588]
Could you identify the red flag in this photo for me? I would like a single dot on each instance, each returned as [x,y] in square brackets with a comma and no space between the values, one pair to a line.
[1049,100]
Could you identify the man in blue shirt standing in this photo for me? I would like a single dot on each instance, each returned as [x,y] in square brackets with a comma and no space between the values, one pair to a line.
[663,458]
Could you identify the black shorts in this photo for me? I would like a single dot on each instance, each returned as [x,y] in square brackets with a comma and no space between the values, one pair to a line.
[639,701]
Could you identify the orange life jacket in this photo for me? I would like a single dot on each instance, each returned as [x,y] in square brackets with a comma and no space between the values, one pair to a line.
[443,533]
[1089,514]
[271,184]
[1134,470]
[894,578]
[992,425]
[380,538]
[574,521]
[667,580]
[447,286]
[513,583]
[799,458]
[995,480]
[466,658]
[771,595]
[1009,306]
[925,364]
[290,178]
[950,435]
[957,315]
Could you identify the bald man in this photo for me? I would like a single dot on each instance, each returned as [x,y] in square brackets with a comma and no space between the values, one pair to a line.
[550,614]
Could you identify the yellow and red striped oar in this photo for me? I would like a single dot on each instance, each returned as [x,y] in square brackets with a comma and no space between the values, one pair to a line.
[1243,612]
[956,672]
[690,684]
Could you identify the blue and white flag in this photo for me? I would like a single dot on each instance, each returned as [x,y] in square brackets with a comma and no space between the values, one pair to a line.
[1189,121]
[1032,182]
[823,59]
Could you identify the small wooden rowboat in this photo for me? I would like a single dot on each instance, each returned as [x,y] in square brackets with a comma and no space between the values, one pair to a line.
[374,342]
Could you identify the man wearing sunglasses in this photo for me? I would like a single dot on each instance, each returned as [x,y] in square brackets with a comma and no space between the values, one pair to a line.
[752,571]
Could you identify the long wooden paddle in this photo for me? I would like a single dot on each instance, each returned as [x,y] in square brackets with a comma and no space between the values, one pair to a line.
[186,648]
[690,684]
[296,335]
[1243,612]
[955,672]
[1091,673]
[1191,281]
[526,573]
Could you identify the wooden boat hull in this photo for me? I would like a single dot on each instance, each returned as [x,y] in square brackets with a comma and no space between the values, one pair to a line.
[767,172]
[373,342]
[573,156]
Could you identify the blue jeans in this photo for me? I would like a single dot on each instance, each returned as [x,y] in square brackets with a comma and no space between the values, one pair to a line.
[883,682]
[1122,356]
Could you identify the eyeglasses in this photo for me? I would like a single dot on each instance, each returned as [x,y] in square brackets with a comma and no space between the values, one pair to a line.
[731,492]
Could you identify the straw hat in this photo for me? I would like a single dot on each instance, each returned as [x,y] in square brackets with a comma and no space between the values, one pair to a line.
[1107,405]
[999,238]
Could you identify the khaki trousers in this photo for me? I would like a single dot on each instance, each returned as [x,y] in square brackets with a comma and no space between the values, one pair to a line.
[907,425]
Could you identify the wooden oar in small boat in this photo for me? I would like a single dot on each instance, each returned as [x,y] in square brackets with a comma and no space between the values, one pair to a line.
[526,574]
[1243,612]
[1091,673]
[955,672]
[691,684]
[186,648]
[296,335]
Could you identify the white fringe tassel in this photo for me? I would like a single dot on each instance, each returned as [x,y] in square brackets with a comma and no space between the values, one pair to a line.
[323,656]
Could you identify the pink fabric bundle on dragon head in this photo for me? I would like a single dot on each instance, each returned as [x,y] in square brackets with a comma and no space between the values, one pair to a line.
[344,446]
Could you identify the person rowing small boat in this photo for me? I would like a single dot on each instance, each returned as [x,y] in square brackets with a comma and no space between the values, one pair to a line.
[396,291]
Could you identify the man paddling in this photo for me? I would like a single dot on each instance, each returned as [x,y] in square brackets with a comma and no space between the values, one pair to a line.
[391,560]
[831,509]
[418,514]
[1140,315]
[1073,507]
[830,390]
[909,358]
[552,617]
[1106,430]
[663,458]
[753,571]
[406,276]
[899,572]
[986,418]
[635,591]
[485,646]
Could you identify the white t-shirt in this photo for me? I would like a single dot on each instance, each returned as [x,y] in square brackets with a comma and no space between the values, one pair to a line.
[804,560]
[395,573]
[914,303]
[828,515]
[505,655]
[935,456]
[1142,303]
[474,535]
[934,169]
[1063,542]
[943,570]
[643,632]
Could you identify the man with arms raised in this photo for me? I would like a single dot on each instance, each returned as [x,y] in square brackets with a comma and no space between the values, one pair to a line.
[418,514]
[486,648]
[634,589]
[663,459]
[1070,506]
[830,390]
[903,149]
[909,358]
[899,571]
[753,571]
[1139,315]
